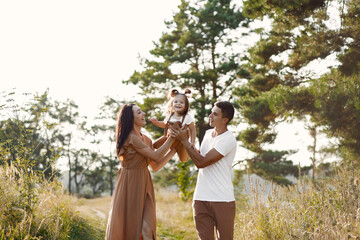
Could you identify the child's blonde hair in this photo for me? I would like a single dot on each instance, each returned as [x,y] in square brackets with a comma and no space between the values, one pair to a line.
[171,96]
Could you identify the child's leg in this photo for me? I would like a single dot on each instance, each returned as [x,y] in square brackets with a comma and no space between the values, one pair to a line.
[182,153]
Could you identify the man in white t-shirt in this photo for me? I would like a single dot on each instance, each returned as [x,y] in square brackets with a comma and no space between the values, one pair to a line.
[214,201]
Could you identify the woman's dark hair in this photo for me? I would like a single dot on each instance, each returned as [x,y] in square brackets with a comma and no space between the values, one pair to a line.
[124,125]
[172,95]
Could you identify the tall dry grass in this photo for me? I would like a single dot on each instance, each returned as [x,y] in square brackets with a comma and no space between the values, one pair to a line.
[51,215]
[326,209]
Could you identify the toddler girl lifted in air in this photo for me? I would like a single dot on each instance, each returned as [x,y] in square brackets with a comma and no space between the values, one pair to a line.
[177,113]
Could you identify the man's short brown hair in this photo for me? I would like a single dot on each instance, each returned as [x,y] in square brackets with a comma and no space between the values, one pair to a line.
[227,109]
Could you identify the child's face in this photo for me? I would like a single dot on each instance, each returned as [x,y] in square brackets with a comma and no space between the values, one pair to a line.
[179,103]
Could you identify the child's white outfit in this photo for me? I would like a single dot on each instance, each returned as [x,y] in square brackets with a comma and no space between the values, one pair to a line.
[170,119]
[184,120]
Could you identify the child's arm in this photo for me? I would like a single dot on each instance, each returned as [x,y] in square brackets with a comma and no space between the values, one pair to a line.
[158,123]
[192,134]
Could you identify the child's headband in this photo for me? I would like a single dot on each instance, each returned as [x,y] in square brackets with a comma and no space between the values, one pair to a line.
[175,92]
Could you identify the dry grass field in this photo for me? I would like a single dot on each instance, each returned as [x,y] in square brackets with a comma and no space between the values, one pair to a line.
[326,209]
[174,217]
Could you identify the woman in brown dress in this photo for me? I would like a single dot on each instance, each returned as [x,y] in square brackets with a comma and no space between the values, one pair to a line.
[133,215]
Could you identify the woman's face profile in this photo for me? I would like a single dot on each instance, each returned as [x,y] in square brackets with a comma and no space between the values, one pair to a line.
[139,116]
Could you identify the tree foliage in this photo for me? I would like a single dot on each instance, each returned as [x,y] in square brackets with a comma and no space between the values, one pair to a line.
[29,142]
[195,52]
[35,136]
[284,67]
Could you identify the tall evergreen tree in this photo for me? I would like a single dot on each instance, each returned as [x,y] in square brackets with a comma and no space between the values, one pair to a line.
[195,52]
[283,85]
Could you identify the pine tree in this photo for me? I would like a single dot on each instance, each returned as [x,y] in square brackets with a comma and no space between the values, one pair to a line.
[281,86]
[195,52]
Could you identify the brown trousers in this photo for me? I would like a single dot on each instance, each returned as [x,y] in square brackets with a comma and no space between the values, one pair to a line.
[218,215]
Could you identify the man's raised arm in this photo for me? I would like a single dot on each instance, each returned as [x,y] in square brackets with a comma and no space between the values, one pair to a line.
[200,161]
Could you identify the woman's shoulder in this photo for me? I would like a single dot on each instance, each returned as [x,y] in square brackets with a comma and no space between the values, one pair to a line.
[128,144]
[137,142]
[131,137]
[147,139]
[133,140]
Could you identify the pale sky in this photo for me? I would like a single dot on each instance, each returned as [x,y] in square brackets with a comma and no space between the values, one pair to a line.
[83,49]
[79,49]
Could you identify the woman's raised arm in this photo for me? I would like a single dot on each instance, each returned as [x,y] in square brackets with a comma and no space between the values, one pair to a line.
[156,166]
[154,155]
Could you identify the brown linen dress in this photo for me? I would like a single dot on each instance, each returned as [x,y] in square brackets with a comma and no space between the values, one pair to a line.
[134,199]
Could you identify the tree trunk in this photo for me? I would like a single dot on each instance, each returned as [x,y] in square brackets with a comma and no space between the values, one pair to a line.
[111,184]
[69,162]
[314,135]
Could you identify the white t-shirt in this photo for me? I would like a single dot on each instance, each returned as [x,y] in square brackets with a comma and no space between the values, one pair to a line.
[187,120]
[214,181]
